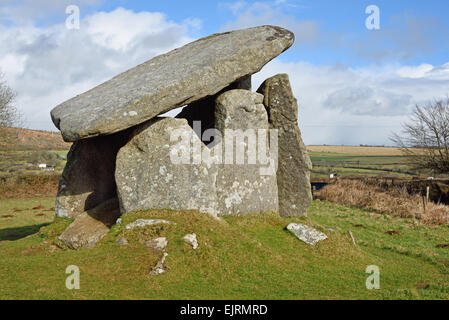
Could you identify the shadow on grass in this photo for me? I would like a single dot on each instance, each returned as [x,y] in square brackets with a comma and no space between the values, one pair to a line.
[12,234]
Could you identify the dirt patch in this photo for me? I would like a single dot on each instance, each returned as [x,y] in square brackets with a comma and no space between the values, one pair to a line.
[422,285]
[445,262]
[394,232]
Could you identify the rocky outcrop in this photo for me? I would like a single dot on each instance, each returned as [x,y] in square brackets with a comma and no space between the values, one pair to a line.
[185,75]
[294,165]
[241,188]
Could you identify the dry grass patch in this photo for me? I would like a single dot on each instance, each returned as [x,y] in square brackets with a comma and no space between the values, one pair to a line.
[28,186]
[397,202]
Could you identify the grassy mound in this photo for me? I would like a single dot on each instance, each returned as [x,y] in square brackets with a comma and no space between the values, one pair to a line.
[246,257]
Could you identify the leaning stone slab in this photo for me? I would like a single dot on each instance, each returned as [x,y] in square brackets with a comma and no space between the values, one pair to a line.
[145,222]
[154,172]
[241,186]
[187,74]
[307,234]
[294,165]
[88,177]
[91,226]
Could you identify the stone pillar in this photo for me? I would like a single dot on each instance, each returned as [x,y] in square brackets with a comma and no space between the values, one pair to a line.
[88,177]
[294,165]
[241,188]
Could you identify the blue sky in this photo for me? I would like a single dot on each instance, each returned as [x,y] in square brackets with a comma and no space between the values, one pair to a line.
[355,86]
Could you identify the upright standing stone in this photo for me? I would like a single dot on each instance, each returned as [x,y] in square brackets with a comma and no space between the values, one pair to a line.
[241,188]
[294,165]
[88,177]
[148,175]
[182,76]
[203,111]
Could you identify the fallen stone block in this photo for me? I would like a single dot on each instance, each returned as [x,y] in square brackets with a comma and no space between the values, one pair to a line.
[192,240]
[91,226]
[307,234]
[145,222]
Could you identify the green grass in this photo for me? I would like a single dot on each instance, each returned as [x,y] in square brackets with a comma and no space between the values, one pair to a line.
[344,164]
[26,161]
[246,257]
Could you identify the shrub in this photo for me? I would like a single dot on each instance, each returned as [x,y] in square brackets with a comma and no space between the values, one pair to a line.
[397,201]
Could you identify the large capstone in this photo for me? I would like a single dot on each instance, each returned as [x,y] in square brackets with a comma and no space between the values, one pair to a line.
[180,77]
[155,169]
[88,177]
[294,165]
[243,185]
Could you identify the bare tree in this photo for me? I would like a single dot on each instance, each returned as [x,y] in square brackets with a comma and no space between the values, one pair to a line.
[425,139]
[9,115]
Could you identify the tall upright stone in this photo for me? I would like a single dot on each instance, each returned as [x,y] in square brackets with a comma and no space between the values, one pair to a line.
[180,77]
[241,186]
[294,165]
[156,169]
[88,177]
[203,111]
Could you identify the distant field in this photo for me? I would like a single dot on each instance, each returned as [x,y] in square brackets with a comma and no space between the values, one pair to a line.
[27,161]
[357,151]
[26,139]
[22,150]
[359,161]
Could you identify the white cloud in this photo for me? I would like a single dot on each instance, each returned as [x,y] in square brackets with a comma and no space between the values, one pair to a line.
[266,13]
[341,105]
[22,12]
[403,37]
[48,65]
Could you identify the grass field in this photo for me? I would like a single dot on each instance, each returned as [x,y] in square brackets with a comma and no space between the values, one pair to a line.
[27,161]
[248,257]
[359,161]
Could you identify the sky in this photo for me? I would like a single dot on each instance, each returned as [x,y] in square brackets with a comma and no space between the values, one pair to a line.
[355,85]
